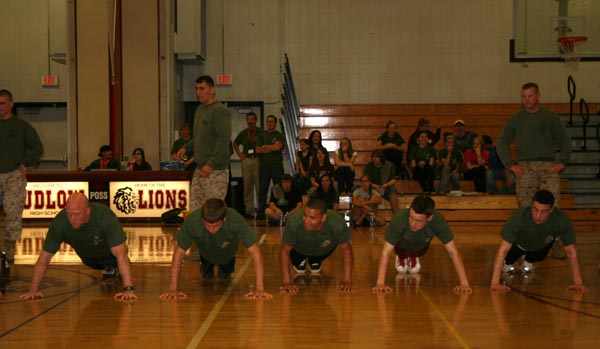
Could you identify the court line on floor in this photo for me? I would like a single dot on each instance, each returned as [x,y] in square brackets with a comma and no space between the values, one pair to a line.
[439,313]
[197,338]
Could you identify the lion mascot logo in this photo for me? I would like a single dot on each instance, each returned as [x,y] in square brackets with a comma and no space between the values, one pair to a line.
[126,200]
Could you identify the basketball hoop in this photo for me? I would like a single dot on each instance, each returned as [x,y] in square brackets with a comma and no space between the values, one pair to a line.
[569,49]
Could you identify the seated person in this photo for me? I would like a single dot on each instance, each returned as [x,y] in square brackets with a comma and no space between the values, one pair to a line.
[319,168]
[476,165]
[139,162]
[326,192]
[391,143]
[285,200]
[450,161]
[188,158]
[423,125]
[422,160]
[365,200]
[106,160]
[382,175]
[344,161]
[303,162]
[497,171]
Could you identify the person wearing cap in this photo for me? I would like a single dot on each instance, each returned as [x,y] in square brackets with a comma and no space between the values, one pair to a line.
[423,126]
[539,134]
[105,161]
[463,139]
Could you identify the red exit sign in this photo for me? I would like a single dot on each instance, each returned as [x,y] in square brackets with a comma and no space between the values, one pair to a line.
[49,80]
[224,79]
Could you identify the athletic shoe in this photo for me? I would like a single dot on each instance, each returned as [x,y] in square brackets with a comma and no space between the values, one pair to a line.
[315,267]
[300,268]
[527,267]
[109,272]
[207,270]
[508,268]
[414,265]
[401,265]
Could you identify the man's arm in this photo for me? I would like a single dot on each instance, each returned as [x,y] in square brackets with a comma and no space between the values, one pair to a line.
[237,150]
[382,270]
[175,271]
[120,252]
[259,271]
[575,269]
[459,267]
[495,285]
[284,267]
[347,260]
[38,274]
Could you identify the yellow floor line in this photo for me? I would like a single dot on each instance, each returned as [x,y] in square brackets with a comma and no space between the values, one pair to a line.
[217,308]
[458,337]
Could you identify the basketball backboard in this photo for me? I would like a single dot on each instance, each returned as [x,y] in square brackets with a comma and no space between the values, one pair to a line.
[539,23]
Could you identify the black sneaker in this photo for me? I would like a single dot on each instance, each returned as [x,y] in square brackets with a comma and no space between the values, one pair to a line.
[300,268]
[315,267]
[109,273]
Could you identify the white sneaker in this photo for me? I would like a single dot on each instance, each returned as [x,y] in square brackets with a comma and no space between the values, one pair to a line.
[414,265]
[508,268]
[527,267]
[401,265]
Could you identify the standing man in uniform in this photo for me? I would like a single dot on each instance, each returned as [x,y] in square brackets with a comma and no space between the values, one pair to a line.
[212,134]
[310,236]
[250,162]
[20,147]
[269,145]
[539,133]
[97,237]
[530,233]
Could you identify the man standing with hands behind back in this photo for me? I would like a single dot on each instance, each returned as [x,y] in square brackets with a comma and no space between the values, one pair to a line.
[212,134]
[20,147]
[250,165]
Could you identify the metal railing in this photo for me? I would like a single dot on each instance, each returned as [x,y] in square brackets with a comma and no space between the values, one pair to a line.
[290,114]
[585,119]
[572,89]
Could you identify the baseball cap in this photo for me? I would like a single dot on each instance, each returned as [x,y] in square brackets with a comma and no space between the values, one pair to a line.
[459,121]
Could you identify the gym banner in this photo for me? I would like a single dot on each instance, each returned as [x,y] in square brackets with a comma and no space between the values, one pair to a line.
[46,199]
[149,199]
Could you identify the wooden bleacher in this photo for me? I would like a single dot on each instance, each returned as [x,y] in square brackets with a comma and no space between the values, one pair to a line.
[363,124]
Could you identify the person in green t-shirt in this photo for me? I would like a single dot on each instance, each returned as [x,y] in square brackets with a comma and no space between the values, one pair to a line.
[310,236]
[269,146]
[530,233]
[97,237]
[422,159]
[409,234]
[217,232]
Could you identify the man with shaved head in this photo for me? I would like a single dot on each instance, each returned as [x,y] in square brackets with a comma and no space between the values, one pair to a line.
[97,237]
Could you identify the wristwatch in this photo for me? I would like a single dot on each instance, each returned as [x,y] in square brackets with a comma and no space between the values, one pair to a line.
[129,288]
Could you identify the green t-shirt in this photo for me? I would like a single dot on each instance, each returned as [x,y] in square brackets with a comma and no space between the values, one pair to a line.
[272,159]
[520,229]
[385,139]
[315,243]
[380,175]
[221,247]
[20,144]
[243,139]
[398,232]
[421,154]
[212,136]
[93,239]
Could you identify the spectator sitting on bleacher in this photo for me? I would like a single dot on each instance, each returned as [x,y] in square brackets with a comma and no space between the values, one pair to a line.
[476,160]
[365,200]
[422,160]
[423,125]
[497,170]
[344,161]
[450,161]
[315,143]
[303,161]
[391,143]
[320,167]
[382,176]
[326,192]
[285,200]
[463,139]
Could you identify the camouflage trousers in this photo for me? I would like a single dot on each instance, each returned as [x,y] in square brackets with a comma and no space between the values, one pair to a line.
[203,188]
[538,175]
[12,194]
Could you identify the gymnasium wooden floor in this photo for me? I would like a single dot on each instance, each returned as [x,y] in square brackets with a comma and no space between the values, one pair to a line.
[79,311]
